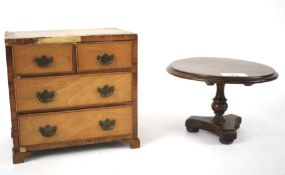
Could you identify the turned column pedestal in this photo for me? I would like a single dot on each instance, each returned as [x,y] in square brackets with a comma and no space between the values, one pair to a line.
[224,126]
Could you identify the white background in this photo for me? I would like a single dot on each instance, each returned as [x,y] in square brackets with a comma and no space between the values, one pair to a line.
[168,30]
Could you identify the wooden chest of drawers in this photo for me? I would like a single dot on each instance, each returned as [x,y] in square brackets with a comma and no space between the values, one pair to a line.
[70,88]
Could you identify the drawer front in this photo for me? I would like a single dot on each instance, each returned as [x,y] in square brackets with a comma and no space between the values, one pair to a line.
[104,55]
[74,125]
[72,90]
[40,59]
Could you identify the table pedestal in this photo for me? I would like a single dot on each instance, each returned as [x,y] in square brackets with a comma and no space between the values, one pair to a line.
[224,126]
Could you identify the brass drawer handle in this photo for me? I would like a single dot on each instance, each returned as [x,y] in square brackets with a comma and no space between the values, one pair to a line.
[106,90]
[43,61]
[45,96]
[48,130]
[105,59]
[107,124]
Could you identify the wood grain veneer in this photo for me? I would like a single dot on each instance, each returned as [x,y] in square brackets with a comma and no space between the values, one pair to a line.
[73,76]
[74,125]
[87,55]
[72,90]
[24,58]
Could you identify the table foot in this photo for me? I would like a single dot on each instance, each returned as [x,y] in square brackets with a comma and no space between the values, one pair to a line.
[226,131]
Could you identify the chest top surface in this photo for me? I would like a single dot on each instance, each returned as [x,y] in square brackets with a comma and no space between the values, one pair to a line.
[64,33]
[222,70]
[60,36]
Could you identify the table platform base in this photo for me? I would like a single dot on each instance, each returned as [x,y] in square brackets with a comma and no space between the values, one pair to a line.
[226,130]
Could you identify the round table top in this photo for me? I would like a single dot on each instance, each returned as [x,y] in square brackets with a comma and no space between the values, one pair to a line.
[222,70]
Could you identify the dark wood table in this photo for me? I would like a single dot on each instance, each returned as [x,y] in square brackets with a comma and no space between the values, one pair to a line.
[220,71]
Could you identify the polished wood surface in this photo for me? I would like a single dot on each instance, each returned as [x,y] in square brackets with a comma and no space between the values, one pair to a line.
[74,125]
[224,126]
[24,58]
[135,92]
[226,131]
[220,71]
[224,70]
[88,53]
[72,90]
[14,119]
[58,44]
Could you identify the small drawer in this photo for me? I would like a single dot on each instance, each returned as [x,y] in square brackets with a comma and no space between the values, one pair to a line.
[41,59]
[74,125]
[72,91]
[104,55]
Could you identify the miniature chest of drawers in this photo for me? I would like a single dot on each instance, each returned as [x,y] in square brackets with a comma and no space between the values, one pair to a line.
[70,88]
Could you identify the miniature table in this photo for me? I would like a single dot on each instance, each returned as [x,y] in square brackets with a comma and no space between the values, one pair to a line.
[220,71]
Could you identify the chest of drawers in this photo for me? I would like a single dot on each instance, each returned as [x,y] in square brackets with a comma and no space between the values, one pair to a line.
[71,88]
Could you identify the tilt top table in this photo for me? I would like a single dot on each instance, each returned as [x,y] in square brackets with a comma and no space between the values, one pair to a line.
[220,71]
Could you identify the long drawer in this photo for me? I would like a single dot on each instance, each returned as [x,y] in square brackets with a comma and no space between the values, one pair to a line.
[74,125]
[72,91]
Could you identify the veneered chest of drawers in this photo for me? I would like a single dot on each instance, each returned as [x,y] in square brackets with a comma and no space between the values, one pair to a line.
[71,88]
